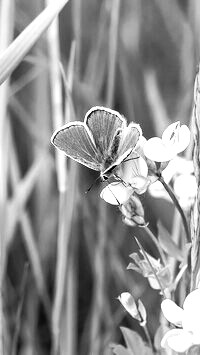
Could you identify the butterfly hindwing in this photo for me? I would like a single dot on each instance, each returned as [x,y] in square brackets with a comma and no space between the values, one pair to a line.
[129,138]
[76,141]
[104,125]
[107,172]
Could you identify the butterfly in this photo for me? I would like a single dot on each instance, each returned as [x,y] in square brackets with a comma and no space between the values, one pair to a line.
[102,142]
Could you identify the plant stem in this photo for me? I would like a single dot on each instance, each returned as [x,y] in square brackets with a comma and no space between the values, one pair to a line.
[174,199]
[155,241]
[146,331]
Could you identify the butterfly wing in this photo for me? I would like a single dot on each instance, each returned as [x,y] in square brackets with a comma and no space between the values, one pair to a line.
[128,140]
[77,142]
[104,124]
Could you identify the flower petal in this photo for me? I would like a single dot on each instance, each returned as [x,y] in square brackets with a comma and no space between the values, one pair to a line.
[186,195]
[116,193]
[177,340]
[133,168]
[176,166]
[156,150]
[140,184]
[183,139]
[191,316]
[170,132]
[153,282]
[157,190]
[192,301]
[172,312]
[176,136]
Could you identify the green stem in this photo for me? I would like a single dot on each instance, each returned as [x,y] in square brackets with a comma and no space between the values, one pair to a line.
[174,199]
[146,331]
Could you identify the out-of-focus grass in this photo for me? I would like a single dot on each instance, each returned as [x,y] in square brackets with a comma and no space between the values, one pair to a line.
[139,58]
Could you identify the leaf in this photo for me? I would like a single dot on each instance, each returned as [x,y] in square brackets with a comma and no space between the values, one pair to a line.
[120,350]
[17,50]
[135,343]
[168,245]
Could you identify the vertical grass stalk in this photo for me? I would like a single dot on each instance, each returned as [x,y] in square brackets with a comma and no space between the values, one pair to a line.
[62,241]
[6,34]
[98,316]
[66,198]
[195,217]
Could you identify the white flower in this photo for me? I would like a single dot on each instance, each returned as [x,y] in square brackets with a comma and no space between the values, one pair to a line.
[175,140]
[188,318]
[134,177]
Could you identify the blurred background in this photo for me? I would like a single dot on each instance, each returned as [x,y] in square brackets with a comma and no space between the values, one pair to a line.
[65,252]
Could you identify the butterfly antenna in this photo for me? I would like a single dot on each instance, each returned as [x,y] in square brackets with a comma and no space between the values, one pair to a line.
[131,159]
[91,186]
[126,184]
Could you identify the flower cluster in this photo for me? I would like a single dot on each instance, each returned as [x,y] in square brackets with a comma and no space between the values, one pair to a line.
[153,165]
[143,168]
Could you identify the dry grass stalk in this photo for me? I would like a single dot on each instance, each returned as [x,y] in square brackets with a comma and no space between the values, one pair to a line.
[77,23]
[68,333]
[95,69]
[22,189]
[58,121]
[156,104]
[99,299]
[66,198]
[112,53]
[195,218]
[6,34]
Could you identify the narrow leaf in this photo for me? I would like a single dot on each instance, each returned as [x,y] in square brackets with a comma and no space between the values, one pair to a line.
[134,342]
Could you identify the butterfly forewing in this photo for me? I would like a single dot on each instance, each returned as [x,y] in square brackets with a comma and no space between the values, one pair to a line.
[76,141]
[104,125]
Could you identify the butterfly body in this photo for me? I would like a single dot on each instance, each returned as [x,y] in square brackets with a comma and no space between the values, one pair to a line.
[101,142]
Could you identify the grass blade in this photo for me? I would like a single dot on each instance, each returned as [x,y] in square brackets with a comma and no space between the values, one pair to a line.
[14,54]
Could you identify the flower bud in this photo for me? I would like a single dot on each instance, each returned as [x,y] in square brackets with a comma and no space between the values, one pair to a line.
[133,212]
[129,304]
